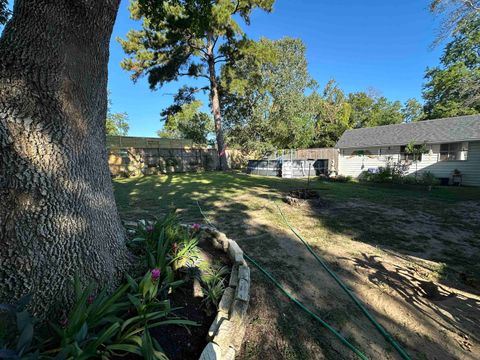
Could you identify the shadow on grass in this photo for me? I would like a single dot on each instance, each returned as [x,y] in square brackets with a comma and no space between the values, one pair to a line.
[240,205]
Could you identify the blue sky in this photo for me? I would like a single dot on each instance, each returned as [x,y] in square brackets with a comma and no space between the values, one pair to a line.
[380,44]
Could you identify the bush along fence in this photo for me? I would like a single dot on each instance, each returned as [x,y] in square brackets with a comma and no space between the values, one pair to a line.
[227,331]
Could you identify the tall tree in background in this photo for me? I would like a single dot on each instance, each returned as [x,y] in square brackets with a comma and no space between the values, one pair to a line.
[453,88]
[412,111]
[58,216]
[332,115]
[264,99]
[187,38]
[454,13]
[373,110]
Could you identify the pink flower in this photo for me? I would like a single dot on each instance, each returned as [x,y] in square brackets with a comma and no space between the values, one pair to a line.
[196,227]
[90,299]
[156,274]
[174,247]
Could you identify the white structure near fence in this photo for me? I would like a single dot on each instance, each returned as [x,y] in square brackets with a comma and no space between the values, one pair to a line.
[453,146]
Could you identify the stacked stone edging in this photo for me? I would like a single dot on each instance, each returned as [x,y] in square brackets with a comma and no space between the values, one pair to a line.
[228,329]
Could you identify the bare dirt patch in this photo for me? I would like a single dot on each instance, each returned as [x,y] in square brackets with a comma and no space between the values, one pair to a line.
[396,261]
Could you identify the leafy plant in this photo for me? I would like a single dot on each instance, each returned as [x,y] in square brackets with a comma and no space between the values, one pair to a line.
[171,161]
[429,179]
[213,280]
[166,245]
[17,345]
[105,325]
[341,178]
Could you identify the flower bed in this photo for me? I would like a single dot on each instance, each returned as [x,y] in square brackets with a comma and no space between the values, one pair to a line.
[161,309]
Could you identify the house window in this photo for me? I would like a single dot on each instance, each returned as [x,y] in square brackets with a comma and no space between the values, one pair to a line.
[453,151]
[410,157]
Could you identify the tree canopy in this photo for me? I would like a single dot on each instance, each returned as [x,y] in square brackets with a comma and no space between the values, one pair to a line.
[454,13]
[453,88]
[188,38]
[188,122]
[116,123]
[263,98]
[269,100]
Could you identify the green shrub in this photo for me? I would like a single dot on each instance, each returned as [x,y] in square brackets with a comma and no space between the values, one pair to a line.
[429,179]
[341,178]
[409,180]
[387,174]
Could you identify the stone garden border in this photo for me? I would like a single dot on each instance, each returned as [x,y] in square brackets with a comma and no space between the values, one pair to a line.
[228,329]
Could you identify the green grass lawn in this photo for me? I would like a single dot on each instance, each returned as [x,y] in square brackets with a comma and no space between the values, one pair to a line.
[148,196]
[356,227]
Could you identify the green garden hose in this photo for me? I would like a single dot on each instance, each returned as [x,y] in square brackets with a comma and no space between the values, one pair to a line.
[379,327]
[296,301]
[307,310]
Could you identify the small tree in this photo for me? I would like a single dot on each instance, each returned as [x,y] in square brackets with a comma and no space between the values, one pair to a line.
[187,38]
[416,151]
[188,123]
[116,123]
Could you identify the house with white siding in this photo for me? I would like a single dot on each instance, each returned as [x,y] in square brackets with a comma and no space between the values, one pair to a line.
[451,145]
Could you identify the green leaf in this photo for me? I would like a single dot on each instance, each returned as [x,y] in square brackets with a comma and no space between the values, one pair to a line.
[23,319]
[147,347]
[180,322]
[106,335]
[25,338]
[82,333]
[126,348]
[134,300]
[133,284]
[107,306]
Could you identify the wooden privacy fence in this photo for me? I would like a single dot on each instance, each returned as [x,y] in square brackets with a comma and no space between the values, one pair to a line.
[134,156]
[119,142]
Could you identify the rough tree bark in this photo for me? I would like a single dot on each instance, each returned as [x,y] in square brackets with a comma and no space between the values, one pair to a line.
[215,100]
[58,215]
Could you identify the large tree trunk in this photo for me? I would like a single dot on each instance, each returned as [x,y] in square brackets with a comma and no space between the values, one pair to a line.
[58,215]
[217,117]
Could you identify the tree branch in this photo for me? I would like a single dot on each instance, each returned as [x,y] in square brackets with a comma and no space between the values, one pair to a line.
[197,75]
[236,7]
[215,42]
